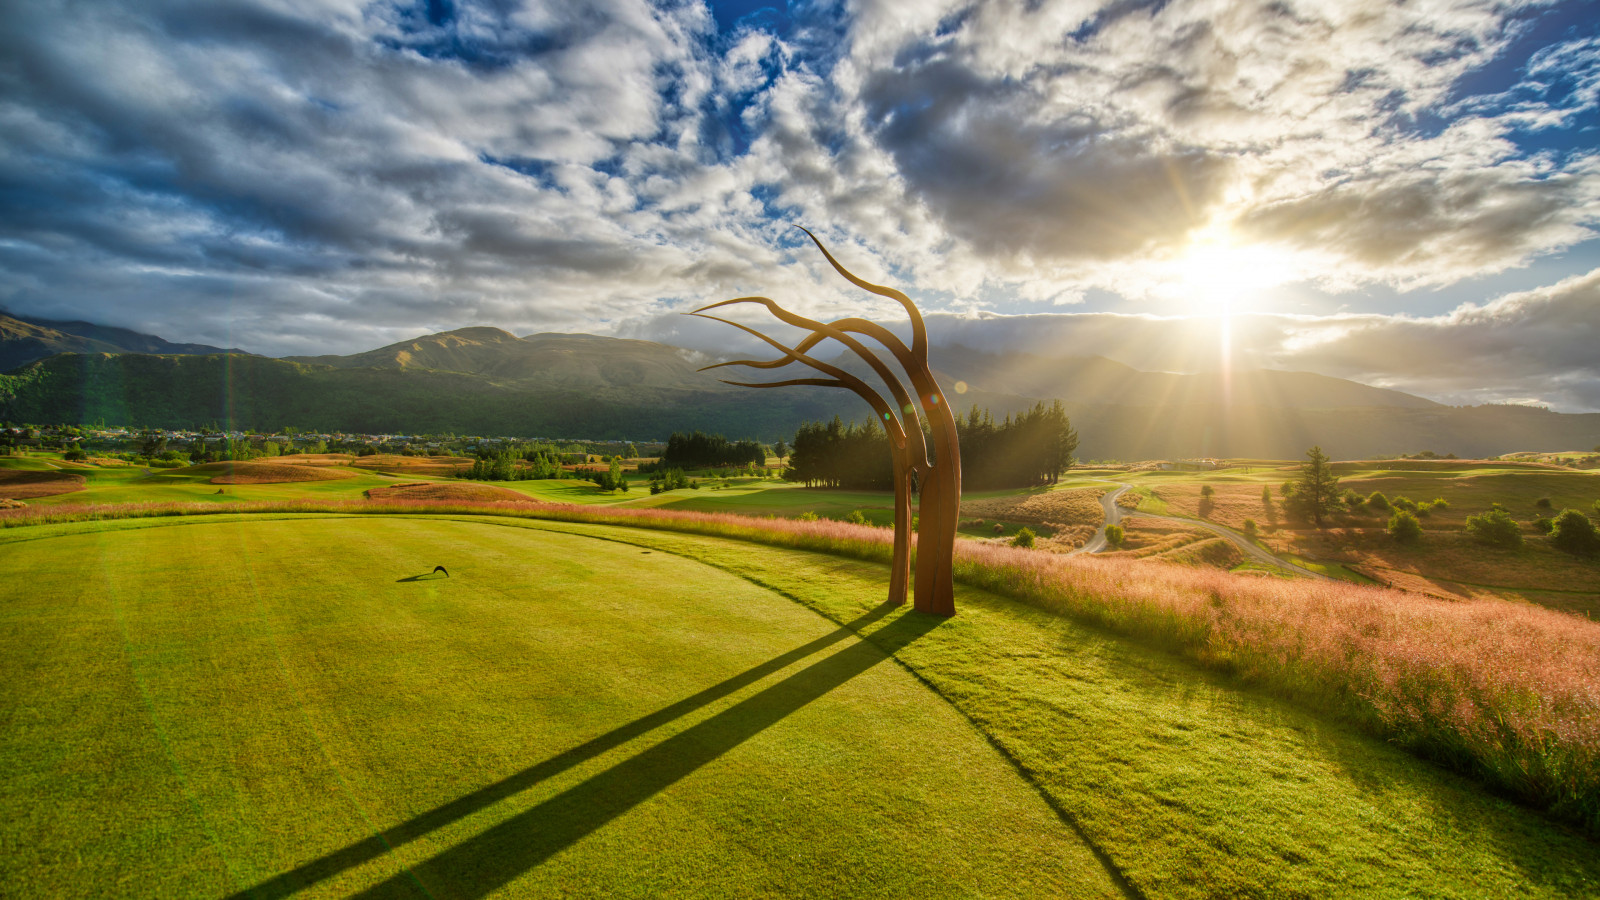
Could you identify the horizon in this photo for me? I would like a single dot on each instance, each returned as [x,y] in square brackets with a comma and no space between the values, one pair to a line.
[1402,198]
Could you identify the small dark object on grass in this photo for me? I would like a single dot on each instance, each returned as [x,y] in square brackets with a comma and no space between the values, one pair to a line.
[441,569]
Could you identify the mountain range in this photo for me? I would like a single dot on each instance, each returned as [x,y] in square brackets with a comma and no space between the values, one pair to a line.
[24,340]
[488,381]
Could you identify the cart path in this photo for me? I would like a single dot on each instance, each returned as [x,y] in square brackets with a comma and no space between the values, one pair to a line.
[1113,516]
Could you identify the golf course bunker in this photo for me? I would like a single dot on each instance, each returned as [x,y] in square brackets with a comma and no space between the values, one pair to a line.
[274,704]
[265,473]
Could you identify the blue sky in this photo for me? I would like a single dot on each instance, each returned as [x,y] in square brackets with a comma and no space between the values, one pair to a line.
[1401,193]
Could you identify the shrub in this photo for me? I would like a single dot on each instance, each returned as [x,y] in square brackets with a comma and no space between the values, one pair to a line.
[1266,496]
[1441,503]
[1543,503]
[1574,533]
[1377,500]
[1024,537]
[1250,529]
[1544,524]
[1114,535]
[856,517]
[1495,527]
[807,516]
[999,528]
[1405,503]
[1352,500]
[1207,491]
[1404,527]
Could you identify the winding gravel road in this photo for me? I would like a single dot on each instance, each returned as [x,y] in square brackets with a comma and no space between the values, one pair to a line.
[1113,516]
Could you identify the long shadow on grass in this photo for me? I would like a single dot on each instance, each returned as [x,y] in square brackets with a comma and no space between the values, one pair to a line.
[525,840]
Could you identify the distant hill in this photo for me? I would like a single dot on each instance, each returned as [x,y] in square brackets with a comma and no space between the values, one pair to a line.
[488,381]
[25,339]
[574,361]
[1097,380]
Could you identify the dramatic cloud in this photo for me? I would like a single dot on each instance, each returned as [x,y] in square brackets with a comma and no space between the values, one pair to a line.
[303,176]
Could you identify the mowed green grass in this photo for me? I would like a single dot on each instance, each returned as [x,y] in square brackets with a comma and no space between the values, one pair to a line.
[128,484]
[273,703]
[205,706]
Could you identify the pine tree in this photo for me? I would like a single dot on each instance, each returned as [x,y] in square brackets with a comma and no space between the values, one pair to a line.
[1316,491]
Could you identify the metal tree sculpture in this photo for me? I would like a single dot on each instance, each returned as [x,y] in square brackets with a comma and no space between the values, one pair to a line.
[937,477]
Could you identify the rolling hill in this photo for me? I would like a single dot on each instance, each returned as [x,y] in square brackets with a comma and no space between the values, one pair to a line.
[488,381]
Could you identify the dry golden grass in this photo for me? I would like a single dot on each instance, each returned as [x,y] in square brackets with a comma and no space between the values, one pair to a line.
[319,459]
[1146,538]
[265,472]
[1230,506]
[1058,509]
[467,492]
[23,484]
[421,466]
[1067,539]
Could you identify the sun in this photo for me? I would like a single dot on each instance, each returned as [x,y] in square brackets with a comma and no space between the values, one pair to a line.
[1216,276]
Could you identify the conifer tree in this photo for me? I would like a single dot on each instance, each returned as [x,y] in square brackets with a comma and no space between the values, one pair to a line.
[1316,491]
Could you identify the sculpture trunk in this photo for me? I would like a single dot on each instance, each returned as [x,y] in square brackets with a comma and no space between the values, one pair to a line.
[938,515]
[900,564]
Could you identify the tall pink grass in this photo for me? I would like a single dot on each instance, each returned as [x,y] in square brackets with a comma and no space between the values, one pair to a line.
[1506,692]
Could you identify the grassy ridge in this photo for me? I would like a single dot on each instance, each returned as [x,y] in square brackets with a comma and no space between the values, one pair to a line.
[1509,694]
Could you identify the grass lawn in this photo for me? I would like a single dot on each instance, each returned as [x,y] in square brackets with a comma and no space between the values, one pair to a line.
[198,706]
[204,709]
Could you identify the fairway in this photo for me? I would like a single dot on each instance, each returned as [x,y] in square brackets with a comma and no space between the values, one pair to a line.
[280,704]
[292,704]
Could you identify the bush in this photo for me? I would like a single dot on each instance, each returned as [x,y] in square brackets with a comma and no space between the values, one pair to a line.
[1543,503]
[1377,500]
[1352,500]
[1441,503]
[1115,535]
[1250,529]
[1544,524]
[1574,533]
[856,517]
[1207,491]
[1404,527]
[807,516]
[999,528]
[1404,503]
[1495,527]
[1024,537]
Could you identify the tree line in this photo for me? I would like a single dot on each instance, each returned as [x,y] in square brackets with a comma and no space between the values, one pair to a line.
[1031,448]
[698,450]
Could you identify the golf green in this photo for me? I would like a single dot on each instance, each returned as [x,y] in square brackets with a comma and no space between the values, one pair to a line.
[276,706]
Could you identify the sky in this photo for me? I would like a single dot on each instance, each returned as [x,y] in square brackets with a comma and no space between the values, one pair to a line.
[1402,193]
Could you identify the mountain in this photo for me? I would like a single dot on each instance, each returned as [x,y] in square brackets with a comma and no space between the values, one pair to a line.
[25,339]
[571,361]
[1097,380]
[23,342]
[488,381]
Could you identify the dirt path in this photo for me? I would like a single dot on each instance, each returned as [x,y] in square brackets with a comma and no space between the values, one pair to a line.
[1097,544]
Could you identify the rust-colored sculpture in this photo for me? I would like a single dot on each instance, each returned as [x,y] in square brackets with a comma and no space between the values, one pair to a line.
[938,477]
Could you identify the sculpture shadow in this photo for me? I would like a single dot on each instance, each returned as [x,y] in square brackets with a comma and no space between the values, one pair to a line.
[485,862]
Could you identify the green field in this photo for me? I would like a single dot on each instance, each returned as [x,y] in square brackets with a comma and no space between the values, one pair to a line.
[202,706]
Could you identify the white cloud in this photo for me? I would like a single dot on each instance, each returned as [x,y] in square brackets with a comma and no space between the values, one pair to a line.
[309,176]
